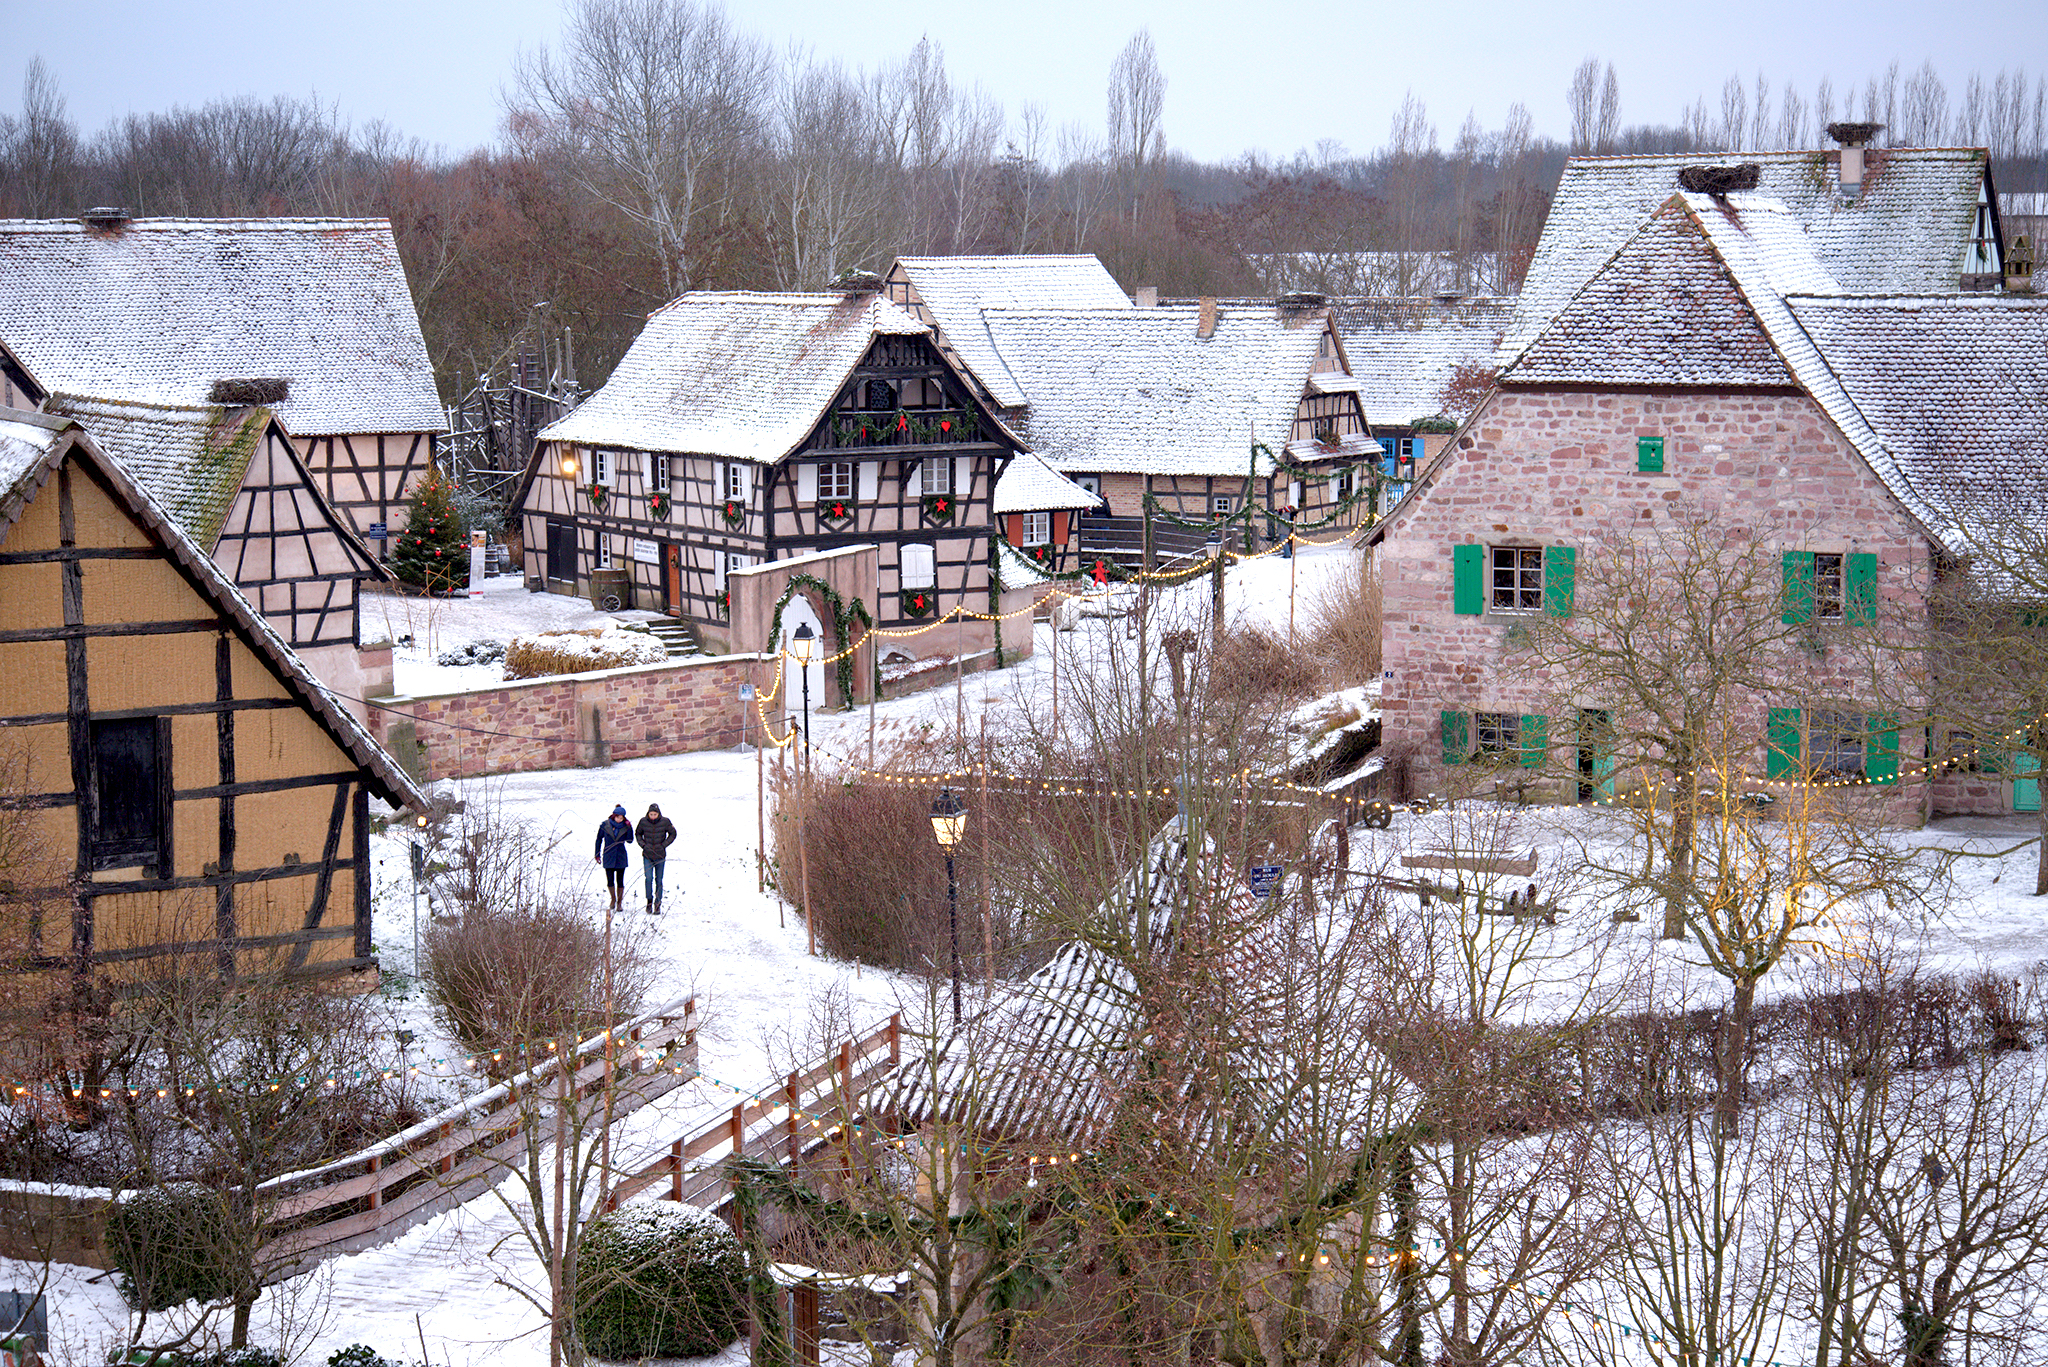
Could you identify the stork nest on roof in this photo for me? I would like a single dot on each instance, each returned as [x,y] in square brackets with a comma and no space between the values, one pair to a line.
[1853,133]
[249,393]
[1720,180]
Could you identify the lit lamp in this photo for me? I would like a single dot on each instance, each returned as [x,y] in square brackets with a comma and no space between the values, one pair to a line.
[949,823]
[801,643]
[568,465]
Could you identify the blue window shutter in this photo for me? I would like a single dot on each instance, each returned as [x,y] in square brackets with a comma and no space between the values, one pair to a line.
[1859,588]
[1781,748]
[1468,580]
[1560,571]
[1535,741]
[1457,735]
[1798,588]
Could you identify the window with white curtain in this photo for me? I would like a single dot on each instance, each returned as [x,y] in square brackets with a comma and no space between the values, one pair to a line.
[934,476]
[1038,529]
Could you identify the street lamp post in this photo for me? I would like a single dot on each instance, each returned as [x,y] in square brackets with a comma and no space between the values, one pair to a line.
[800,643]
[949,823]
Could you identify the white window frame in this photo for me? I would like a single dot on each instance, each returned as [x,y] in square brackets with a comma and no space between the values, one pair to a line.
[1037,529]
[603,469]
[1830,586]
[926,577]
[934,476]
[1221,505]
[658,473]
[1514,580]
[837,479]
[604,551]
[736,481]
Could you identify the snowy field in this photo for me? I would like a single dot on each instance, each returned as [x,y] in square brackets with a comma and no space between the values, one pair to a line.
[449,1283]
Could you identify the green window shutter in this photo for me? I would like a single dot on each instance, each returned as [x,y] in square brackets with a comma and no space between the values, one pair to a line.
[1457,729]
[1535,741]
[1798,588]
[1781,749]
[1859,588]
[1650,455]
[1560,570]
[1881,748]
[1468,582]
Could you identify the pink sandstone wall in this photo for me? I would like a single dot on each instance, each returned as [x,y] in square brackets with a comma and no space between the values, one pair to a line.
[1559,468]
[573,720]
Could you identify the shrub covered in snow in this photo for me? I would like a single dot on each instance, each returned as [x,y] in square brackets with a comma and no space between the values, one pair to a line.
[475,653]
[659,1279]
[359,1355]
[573,652]
[171,1244]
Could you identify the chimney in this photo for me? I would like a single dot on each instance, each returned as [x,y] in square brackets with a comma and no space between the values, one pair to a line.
[1854,137]
[106,219]
[1148,296]
[857,282]
[1205,325]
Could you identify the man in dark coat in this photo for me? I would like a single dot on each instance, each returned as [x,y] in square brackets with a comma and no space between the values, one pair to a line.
[655,834]
[612,839]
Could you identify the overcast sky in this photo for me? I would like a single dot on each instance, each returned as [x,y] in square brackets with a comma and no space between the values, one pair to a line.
[1273,75]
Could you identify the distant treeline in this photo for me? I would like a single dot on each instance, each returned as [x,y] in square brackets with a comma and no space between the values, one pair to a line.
[659,148]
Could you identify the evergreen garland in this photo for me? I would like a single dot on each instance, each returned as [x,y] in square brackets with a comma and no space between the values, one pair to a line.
[430,551]
[843,614]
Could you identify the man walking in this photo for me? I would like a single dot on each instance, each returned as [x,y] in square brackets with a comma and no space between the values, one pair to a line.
[612,839]
[655,834]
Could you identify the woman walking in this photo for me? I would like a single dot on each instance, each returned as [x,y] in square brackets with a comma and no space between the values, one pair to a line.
[654,834]
[612,839]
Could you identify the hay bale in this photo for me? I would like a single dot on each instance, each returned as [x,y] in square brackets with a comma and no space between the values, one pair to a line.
[577,652]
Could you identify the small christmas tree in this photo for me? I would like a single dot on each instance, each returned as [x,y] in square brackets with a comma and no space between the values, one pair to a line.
[430,551]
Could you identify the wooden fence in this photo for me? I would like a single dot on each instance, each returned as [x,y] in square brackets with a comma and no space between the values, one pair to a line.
[780,1126]
[379,1192]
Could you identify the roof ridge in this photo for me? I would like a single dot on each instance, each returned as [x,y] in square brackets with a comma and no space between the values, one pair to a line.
[285,223]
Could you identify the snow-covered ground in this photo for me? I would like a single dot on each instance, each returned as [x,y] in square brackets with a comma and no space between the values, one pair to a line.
[421,629]
[743,954]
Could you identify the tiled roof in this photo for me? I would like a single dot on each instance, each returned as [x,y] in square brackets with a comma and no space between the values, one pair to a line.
[739,375]
[1909,231]
[957,288]
[1956,387]
[162,309]
[48,438]
[191,460]
[1135,390]
[1404,351]
[1029,485]
[1664,311]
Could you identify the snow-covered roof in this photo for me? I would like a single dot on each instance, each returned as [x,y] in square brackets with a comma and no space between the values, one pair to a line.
[1405,351]
[1138,391]
[1911,229]
[955,290]
[1029,485]
[1956,387]
[740,375]
[190,459]
[161,309]
[31,447]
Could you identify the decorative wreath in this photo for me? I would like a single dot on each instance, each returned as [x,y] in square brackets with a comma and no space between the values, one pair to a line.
[659,504]
[835,512]
[938,507]
[918,603]
[598,494]
[1041,555]
[725,602]
[735,512]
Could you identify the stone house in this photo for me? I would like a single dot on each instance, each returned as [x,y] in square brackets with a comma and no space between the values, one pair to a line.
[1715,363]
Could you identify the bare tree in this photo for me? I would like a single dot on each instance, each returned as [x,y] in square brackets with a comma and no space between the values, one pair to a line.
[1595,103]
[40,148]
[1137,96]
[832,175]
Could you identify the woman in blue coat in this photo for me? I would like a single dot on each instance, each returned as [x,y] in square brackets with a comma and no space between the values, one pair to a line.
[614,838]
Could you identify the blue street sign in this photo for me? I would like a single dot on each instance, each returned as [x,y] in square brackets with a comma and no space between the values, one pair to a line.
[1263,878]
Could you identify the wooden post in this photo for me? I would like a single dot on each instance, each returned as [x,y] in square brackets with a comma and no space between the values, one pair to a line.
[761,793]
[376,1191]
[874,691]
[447,1159]
[1293,552]
[796,1143]
[739,1130]
[988,944]
[846,1077]
[1054,618]
[1216,593]
[895,1038]
[803,1298]
[675,1171]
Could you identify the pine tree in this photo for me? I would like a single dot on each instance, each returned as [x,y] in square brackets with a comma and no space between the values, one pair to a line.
[430,551]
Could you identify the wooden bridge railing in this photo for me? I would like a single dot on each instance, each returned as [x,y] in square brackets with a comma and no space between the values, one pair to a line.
[774,1126]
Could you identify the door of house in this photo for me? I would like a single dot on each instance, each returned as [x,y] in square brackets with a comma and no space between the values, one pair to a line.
[562,550]
[672,577]
[799,612]
[2026,783]
[1596,753]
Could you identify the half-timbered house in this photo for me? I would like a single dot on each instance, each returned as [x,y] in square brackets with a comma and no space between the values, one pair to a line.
[744,427]
[1406,354]
[199,802]
[168,310]
[1189,406]
[1038,512]
[231,479]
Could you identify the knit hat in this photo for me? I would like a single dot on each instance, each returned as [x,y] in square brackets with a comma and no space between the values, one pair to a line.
[618,811]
